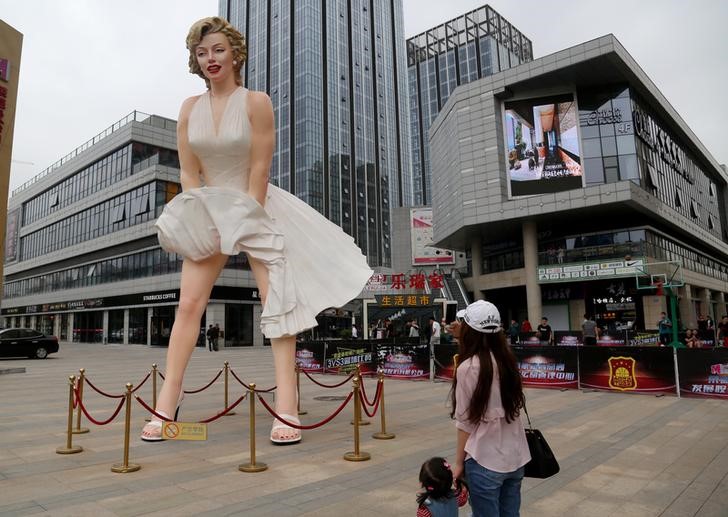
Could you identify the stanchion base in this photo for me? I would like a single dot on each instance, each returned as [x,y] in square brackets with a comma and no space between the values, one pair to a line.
[65,450]
[80,430]
[304,412]
[120,468]
[383,436]
[231,413]
[362,456]
[252,467]
[361,422]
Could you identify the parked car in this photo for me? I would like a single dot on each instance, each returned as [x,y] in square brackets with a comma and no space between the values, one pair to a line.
[26,342]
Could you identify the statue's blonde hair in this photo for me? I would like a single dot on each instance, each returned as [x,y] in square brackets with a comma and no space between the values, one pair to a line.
[211,25]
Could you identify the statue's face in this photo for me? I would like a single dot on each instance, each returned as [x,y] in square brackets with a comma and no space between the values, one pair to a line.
[215,56]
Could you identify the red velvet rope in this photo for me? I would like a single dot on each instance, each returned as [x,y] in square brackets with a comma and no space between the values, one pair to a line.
[327,385]
[305,427]
[224,412]
[90,418]
[205,421]
[161,375]
[364,393]
[149,374]
[248,387]
[151,410]
[377,400]
[97,390]
[190,392]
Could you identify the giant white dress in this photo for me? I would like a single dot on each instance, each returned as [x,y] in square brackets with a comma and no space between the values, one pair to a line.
[312,264]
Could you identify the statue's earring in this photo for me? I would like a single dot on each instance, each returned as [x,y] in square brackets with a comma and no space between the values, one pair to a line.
[235,63]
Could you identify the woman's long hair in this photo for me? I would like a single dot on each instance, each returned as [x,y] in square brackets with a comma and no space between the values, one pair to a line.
[480,345]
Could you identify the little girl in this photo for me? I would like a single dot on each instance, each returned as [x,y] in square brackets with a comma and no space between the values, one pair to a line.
[438,498]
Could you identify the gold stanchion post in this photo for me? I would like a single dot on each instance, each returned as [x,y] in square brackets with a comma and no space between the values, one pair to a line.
[455,359]
[126,466]
[357,455]
[79,429]
[227,368]
[154,391]
[70,448]
[252,466]
[361,381]
[298,390]
[382,434]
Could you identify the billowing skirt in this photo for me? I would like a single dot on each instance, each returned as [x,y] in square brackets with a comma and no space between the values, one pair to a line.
[312,264]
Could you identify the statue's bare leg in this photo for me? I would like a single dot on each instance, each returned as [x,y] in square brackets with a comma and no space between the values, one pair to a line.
[195,287]
[284,360]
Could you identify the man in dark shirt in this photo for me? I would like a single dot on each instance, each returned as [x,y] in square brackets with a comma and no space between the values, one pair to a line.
[590,331]
[210,337]
[722,332]
[544,332]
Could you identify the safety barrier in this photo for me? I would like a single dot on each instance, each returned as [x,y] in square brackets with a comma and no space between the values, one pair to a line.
[357,394]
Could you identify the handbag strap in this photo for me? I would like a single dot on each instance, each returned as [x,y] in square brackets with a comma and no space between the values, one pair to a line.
[526,411]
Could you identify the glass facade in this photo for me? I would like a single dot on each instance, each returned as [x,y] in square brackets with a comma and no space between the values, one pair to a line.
[123,211]
[111,169]
[462,50]
[144,264]
[335,72]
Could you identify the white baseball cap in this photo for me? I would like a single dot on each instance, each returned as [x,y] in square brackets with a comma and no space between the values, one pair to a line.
[481,316]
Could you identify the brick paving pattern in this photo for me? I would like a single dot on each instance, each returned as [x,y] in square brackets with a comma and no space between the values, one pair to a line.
[626,455]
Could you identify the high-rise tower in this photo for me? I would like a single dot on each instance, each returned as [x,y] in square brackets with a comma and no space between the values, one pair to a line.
[462,50]
[336,73]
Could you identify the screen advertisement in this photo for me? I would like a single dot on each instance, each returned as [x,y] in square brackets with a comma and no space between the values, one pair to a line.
[423,252]
[542,145]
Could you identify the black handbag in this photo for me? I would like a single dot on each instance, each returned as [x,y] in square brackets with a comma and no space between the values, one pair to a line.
[543,463]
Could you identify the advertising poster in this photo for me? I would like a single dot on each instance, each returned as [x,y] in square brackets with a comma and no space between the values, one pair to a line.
[423,252]
[703,373]
[11,236]
[563,338]
[343,356]
[404,361]
[616,338]
[542,145]
[310,356]
[529,339]
[444,365]
[628,369]
[548,367]
[645,338]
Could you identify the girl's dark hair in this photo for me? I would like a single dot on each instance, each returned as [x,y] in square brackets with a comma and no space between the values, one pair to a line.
[480,345]
[436,479]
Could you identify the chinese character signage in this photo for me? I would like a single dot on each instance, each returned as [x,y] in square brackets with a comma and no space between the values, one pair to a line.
[595,270]
[548,367]
[4,70]
[405,300]
[11,236]
[423,252]
[703,372]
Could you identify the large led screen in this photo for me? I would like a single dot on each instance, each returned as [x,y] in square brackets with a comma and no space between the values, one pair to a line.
[542,145]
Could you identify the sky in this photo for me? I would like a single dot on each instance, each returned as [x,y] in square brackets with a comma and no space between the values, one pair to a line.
[88,63]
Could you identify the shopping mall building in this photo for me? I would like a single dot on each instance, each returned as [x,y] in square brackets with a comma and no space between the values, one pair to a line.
[566,178]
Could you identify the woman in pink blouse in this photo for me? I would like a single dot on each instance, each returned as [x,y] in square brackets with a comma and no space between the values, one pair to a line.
[487,397]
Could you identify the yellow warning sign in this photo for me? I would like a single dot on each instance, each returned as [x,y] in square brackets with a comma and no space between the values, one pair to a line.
[184,431]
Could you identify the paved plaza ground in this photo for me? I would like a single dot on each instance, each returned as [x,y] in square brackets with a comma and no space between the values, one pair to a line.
[620,455]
